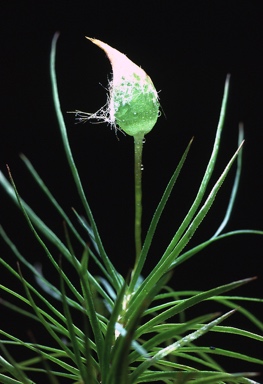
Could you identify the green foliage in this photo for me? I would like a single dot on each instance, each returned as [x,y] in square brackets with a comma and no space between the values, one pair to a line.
[133,330]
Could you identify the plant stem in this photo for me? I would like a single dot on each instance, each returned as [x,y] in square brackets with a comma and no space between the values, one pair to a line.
[138,145]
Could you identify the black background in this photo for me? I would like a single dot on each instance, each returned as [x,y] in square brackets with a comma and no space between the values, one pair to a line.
[187,47]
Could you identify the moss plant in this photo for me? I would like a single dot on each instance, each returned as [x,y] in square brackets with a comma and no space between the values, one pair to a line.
[133,329]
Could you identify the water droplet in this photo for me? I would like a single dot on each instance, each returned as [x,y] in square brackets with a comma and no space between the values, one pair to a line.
[143,140]
[142,167]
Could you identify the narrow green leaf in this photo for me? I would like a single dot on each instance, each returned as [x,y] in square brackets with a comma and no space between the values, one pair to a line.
[235,185]
[244,311]
[8,380]
[225,352]
[187,255]
[72,335]
[51,198]
[73,168]
[208,172]
[199,377]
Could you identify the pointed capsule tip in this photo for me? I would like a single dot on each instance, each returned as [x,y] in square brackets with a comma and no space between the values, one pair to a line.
[99,43]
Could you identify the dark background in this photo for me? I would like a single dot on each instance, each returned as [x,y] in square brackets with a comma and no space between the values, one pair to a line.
[187,47]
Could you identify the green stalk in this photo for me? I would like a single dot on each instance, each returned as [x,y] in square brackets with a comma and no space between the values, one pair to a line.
[138,145]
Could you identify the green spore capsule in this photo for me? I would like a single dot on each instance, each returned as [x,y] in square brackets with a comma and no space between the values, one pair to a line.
[133,103]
